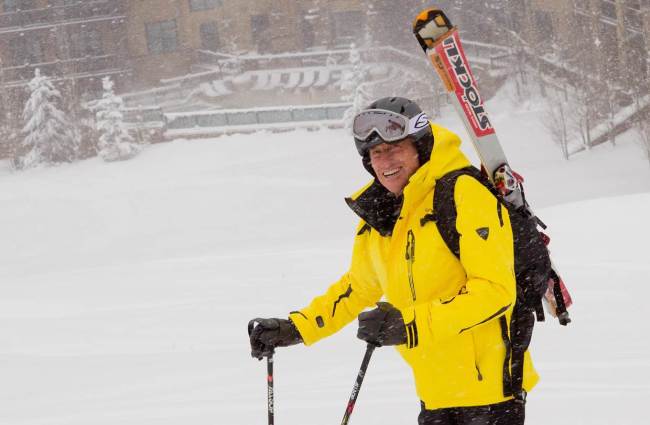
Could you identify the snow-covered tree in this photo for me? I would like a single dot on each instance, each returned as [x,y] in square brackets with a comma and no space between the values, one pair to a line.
[642,127]
[556,119]
[355,75]
[115,142]
[643,131]
[49,136]
[354,84]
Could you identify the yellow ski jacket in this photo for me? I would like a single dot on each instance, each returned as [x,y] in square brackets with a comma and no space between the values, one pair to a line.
[452,309]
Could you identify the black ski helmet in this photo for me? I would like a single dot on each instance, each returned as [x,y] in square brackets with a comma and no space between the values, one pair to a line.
[423,139]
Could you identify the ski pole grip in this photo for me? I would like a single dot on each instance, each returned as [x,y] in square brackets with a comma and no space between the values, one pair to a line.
[251,326]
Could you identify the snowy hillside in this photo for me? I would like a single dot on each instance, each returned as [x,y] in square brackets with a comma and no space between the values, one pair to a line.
[126,287]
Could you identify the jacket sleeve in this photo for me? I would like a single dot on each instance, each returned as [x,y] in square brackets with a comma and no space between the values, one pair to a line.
[487,255]
[344,300]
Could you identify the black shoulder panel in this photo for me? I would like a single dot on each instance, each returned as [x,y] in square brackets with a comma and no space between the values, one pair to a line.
[378,208]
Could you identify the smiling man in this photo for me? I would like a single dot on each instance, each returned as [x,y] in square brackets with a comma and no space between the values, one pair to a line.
[446,309]
[394,164]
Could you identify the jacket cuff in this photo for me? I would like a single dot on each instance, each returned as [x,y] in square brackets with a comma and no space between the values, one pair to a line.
[412,338]
[304,328]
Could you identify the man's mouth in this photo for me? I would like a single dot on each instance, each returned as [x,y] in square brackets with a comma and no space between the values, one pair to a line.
[391,172]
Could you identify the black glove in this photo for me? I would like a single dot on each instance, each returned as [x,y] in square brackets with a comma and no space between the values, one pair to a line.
[266,334]
[382,326]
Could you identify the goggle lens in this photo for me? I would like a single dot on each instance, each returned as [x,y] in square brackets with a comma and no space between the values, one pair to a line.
[389,125]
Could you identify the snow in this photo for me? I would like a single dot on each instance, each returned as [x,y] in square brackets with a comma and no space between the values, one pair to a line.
[126,287]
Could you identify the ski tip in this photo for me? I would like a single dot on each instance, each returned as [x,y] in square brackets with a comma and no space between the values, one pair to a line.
[429,26]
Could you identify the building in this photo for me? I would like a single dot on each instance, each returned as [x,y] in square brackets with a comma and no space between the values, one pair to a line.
[143,41]
[140,42]
[164,39]
[71,40]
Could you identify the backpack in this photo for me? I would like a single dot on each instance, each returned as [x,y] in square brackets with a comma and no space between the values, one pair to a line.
[533,270]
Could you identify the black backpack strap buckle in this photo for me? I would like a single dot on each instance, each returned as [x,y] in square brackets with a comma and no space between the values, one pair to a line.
[520,396]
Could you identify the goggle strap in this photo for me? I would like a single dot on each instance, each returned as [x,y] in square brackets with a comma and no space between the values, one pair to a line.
[418,122]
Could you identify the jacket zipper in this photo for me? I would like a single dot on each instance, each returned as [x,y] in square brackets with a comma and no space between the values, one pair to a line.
[410,259]
[479,375]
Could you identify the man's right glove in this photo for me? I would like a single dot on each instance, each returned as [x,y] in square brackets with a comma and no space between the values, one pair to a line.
[266,334]
[382,326]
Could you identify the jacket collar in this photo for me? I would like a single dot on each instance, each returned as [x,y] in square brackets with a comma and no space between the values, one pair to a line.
[380,209]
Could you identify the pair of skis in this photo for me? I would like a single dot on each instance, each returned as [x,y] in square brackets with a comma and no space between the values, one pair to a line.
[441,43]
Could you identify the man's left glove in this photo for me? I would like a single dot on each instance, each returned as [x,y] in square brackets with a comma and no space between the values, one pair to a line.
[382,326]
[266,334]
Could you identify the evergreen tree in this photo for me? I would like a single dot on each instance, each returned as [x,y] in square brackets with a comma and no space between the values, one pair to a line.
[115,142]
[49,137]
[354,83]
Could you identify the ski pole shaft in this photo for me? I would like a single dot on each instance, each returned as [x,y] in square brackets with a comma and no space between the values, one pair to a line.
[269,381]
[269,374]
[357,385]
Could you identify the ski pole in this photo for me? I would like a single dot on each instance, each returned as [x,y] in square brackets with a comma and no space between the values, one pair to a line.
[357,385]
[269,386]
[269,376]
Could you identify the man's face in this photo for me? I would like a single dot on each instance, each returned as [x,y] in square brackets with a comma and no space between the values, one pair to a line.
[394,163]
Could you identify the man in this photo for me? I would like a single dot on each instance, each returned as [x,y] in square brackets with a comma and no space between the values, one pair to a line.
[446,315]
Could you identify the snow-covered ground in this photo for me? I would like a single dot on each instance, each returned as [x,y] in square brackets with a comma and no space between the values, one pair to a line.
[125,288]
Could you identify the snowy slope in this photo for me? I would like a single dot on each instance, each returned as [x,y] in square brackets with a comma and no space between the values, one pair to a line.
[126,287]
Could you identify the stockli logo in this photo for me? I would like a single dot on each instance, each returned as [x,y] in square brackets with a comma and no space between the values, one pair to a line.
[465,86]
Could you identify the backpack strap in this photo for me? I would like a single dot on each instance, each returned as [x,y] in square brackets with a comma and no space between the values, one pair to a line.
[444,206]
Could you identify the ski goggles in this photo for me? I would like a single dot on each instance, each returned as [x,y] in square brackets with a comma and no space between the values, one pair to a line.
[390,126]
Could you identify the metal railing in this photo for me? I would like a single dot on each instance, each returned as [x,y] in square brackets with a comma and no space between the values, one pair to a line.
[85,65]
[633,18]
[256,116]
[23,20]
[235,121]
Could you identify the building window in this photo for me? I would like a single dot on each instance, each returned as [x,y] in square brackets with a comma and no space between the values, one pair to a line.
[260,26]
[10,5]
[26,51]
[544,24]
[347,26]
[308,33]
[634,4]
[209,36]
[196,5]
[86,42]
[161,36]
[608,9]
[14,5]
[27,4]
